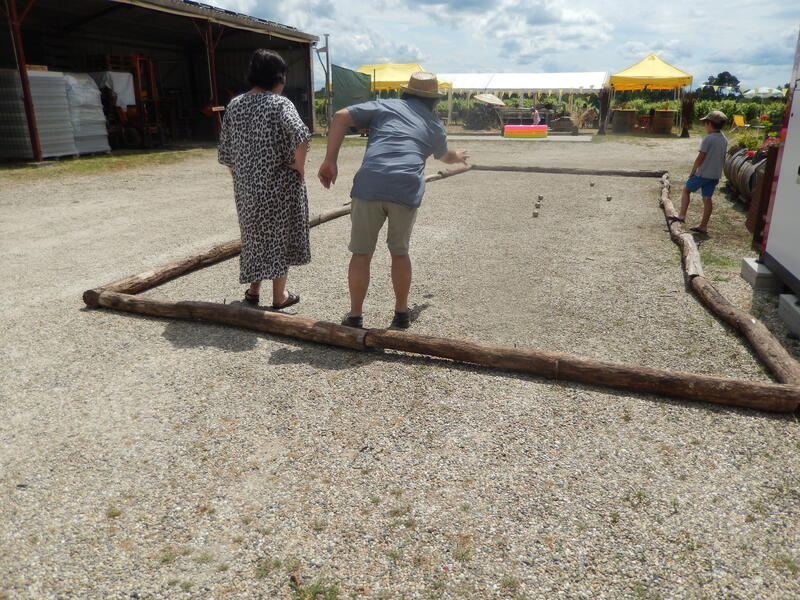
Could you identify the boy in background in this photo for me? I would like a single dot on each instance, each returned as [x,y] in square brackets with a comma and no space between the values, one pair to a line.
[706,171]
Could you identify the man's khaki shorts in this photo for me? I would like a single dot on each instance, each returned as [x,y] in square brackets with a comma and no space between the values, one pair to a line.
[367,219]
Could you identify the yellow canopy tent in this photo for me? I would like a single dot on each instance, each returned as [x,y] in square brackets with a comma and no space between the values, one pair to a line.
[390,76]
[650,73]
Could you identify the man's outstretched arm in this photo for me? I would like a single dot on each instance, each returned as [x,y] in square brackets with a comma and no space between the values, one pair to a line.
[328,170]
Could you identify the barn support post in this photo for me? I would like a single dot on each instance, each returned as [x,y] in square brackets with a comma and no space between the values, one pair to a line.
[312,113]
[211,43]
[211,49]
[15,20]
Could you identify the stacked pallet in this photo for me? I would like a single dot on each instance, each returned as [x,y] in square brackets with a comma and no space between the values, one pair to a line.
[86,113]
[52,115]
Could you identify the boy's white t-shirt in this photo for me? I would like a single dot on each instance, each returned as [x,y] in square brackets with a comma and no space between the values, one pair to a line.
[714,145]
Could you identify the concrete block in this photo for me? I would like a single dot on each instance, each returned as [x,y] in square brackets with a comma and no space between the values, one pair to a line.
[759,276]
[789,312]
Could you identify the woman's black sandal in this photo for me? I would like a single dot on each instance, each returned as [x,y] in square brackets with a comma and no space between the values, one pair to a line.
[292,299]
[251,299]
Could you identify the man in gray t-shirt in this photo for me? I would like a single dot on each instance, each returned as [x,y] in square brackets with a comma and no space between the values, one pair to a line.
[706,171]
[390,184]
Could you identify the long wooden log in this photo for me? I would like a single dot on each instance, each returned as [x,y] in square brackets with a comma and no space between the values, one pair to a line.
[556,365]
[570,170]
[445,173]
[690,254]
[553,365]
[766,346]
[150,279]
[777,359]
[330,215]
[240,316]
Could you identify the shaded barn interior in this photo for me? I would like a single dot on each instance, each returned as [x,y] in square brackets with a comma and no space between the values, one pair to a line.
[186,57]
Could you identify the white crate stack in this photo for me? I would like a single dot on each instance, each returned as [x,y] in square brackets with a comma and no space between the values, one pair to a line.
[69,115]
[86,113]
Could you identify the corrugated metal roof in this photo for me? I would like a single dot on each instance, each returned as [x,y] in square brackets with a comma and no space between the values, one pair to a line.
[223,16]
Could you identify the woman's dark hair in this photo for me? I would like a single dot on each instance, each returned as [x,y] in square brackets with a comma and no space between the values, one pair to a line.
[431,103]
[267,69]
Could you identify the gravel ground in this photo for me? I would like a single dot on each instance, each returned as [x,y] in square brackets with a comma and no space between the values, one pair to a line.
[146,458]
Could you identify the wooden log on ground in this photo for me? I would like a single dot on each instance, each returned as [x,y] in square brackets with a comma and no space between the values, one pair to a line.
[690,254]
[330,215]
[559,366]
[239,315]
[569,171]
[785,368]
[766,346]
[553,365]
[445,173]
[150,279]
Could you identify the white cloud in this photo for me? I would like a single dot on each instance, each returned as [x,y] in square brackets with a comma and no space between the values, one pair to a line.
[503,35]
[668,50]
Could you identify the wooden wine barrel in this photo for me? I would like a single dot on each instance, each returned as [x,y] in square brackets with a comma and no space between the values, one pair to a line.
[732,159]
[743,174]
[662,121]
[623,121]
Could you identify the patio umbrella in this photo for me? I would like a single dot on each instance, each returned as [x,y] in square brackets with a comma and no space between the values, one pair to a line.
[763,92]
[490,99]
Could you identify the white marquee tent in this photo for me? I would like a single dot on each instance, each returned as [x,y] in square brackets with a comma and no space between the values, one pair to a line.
[526,82]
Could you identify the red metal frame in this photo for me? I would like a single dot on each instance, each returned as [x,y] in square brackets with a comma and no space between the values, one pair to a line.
[211,42]
[22,66]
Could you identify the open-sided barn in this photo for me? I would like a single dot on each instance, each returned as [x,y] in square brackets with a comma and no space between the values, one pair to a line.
[186,60]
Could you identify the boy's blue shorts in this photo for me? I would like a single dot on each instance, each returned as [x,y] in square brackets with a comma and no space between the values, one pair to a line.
[695,182]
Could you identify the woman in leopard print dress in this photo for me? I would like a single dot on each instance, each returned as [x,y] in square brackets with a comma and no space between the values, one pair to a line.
[264,143]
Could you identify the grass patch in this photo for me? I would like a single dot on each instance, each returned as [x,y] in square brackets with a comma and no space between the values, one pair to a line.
[113,512]
[318,526]
[168,557]
[267,566]
[717,260]
[399,511]
[462,549]
[119,160]
[319,589]
[787,563]
[510,584]
[203,559]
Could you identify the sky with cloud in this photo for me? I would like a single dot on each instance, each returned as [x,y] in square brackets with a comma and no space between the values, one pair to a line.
[754,40]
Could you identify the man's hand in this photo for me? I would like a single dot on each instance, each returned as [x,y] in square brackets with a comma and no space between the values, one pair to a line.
[328,171]
[452,157]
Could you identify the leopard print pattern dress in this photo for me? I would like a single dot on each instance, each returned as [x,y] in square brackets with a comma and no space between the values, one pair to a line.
[259,134]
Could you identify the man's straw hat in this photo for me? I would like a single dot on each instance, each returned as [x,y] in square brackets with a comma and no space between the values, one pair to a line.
[423,84]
